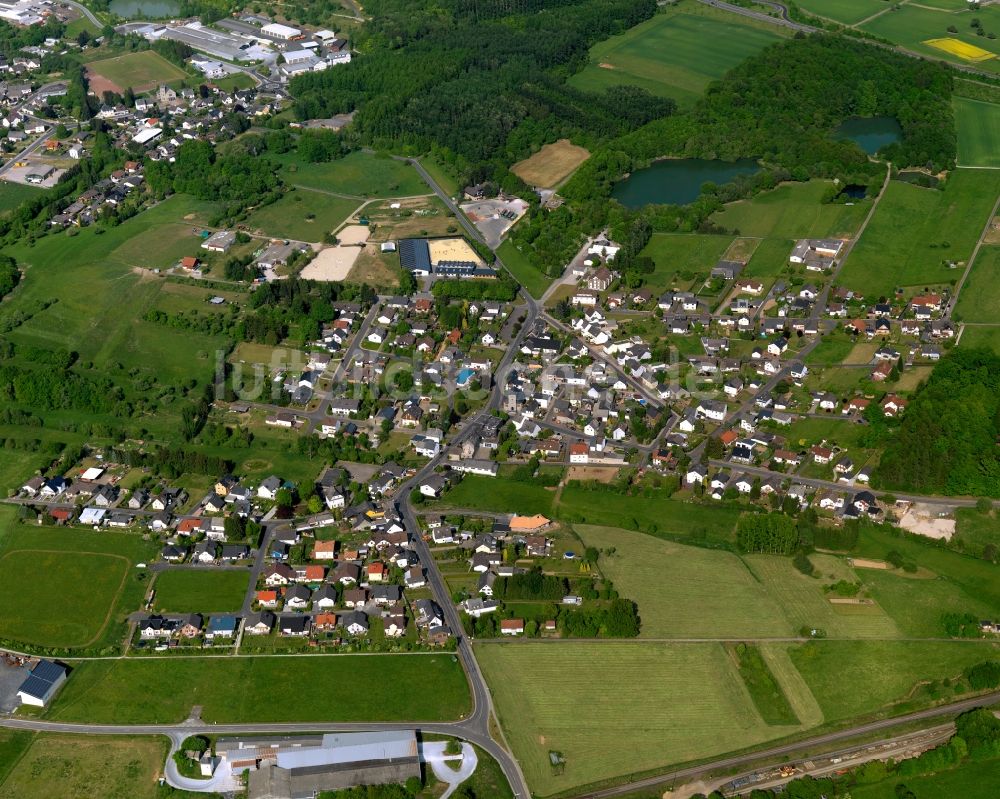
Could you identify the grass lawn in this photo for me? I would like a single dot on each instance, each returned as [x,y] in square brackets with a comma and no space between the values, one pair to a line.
[44,571]
[615,709]
[521,268]
[79,767]
[359,174]
[805,604]
[683,259]
[142,70]
[552,164]
[859,678]
[973,780]
[832,350]
[13,194]
[980,297]
[302,214]
[793,211]
[915,230]
[239,80]
[978,126]
[442,174]
[846,11]
[675,54]
[687,592]
[194,591]
[325,688]
[477,492]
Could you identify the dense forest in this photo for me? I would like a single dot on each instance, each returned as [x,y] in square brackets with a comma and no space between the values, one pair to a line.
[947,442]
[480,82]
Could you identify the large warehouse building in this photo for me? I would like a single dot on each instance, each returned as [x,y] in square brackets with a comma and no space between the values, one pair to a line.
[302,767]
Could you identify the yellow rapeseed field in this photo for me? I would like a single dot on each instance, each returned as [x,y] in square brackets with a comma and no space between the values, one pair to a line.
[964,50]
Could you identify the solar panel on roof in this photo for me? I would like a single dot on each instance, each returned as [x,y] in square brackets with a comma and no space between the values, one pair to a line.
[35,687]
[48,671]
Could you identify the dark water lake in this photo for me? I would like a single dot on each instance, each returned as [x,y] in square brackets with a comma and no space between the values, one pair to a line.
[152,9]
[871,134]
[678,181]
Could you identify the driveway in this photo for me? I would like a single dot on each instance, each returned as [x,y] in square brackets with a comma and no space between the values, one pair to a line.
[434,756]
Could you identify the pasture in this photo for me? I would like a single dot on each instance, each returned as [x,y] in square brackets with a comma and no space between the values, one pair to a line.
[302,214]
[925,30]
[357,174]
[980,296]
[477,492]
[43,570]
[89,280]
[974,779]
[230,689]
[917,232]
[13,194]
[675,54]
[988,337]
[978,125]
[769,260]
[686,592]
[862,678]
[142,71]
[848,12]
[653,514]
[194,591]
[77,766]
[793,211]
[524,272]
[551,165]
[683,260]
[804,603]
[665,703]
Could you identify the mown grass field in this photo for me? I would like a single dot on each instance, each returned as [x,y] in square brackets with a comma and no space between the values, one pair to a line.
[915,231]
[805,604]
[13,744]
[77,766]
[978,125]
[142,70]
[675,54]
[683,259]
[359,174]
[686,592]
[303,215]
[858,678]
[793,211]
[518,265]
[615,709]
[988,337]
[251,689]
[912,26]
[68,588]
[847,11]
[980,297]
[194,591]
[552,164]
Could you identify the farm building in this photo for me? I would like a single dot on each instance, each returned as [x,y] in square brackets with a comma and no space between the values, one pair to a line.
[448,257]
[42,683]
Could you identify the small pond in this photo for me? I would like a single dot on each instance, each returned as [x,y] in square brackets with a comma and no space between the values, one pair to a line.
[147,9]
[871,134]
[678,181]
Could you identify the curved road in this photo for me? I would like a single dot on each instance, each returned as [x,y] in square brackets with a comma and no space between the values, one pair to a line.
[86,12]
